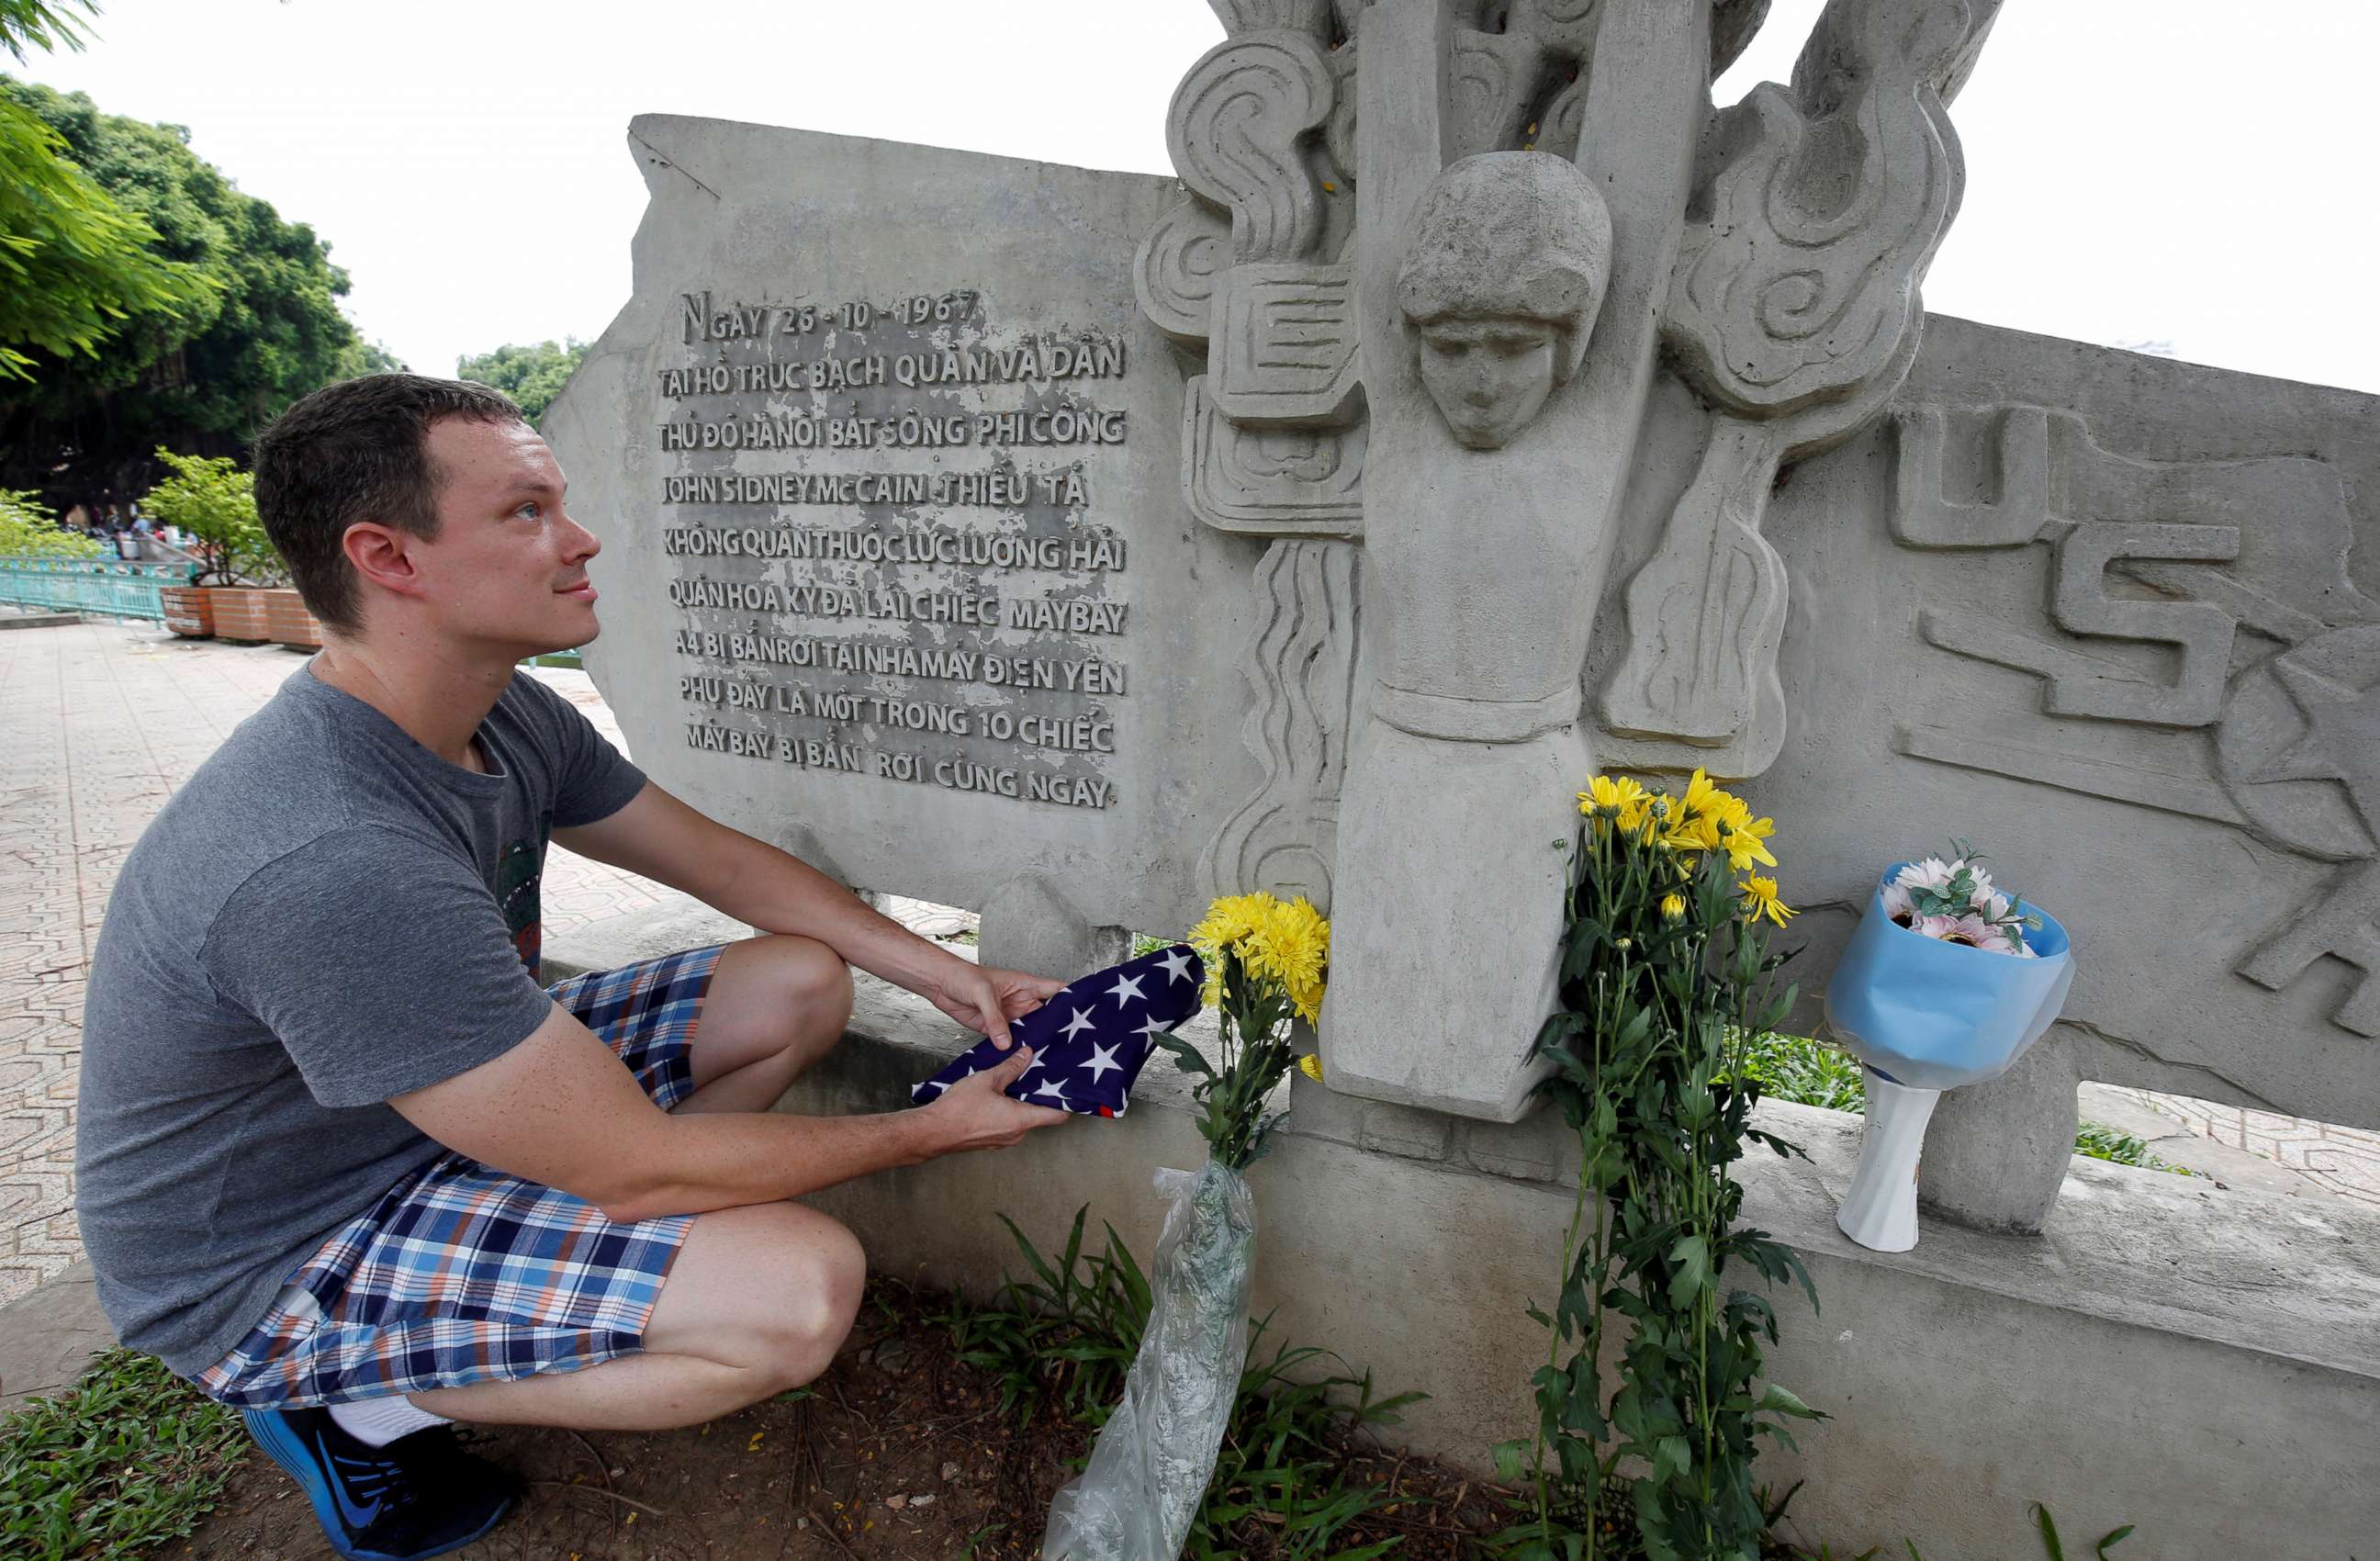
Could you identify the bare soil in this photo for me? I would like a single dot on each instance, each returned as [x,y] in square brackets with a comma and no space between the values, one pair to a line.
[901,1451]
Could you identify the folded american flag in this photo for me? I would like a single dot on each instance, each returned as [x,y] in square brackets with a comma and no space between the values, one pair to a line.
[1090,1040]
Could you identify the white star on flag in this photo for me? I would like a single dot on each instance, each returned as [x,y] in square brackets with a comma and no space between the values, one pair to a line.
[1050,1088]
[1127,988]
[1177,965]
[1103,1060]
[1080,1023]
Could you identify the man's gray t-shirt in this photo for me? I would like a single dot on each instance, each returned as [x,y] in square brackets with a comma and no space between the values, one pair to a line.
[327,916]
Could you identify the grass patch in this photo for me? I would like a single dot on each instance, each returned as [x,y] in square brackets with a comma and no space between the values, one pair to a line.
[1062,1340]
[2097,1141]
[1806,1071]
[130,1456]
[1811,1072]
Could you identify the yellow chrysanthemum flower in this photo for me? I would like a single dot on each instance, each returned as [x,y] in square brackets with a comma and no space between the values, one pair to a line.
[1283,944]
[1612,796]
[1672,906]
[1289,946]
[1694,831]
[1311,1066]
[1760,900]
[1231,918]
[1702,798]
[1744,843]
[1230,922]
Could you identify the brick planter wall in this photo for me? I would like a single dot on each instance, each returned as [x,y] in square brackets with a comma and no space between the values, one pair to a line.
[287,622]
[239,613]
[187,610]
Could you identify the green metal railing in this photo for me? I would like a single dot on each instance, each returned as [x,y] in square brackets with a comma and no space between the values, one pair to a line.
[113,588]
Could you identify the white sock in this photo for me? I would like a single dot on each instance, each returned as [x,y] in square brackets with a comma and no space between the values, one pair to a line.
[378,1422]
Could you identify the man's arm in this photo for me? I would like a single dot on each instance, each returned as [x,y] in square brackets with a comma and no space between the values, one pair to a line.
[559,1109]
[659,837]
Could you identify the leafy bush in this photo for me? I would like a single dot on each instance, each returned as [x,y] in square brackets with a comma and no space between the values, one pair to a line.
[29,530]
[1806,1071]
[210,497]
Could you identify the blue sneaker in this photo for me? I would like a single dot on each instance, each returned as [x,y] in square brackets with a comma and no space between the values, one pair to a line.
[421,1495]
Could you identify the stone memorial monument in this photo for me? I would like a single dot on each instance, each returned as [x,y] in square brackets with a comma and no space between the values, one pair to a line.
[1480,408]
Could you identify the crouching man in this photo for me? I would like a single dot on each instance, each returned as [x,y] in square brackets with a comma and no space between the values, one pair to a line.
[343,1160]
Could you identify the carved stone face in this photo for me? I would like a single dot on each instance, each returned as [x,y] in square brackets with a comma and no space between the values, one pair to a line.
[1489,376]
[1504,270]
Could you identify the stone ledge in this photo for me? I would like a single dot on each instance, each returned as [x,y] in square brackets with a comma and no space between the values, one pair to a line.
[2206,1250]
[2203,1362]
[49,1334]
[639,934]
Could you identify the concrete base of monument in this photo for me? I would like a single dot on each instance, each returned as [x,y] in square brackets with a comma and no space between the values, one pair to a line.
[2203,1364]
[643,934]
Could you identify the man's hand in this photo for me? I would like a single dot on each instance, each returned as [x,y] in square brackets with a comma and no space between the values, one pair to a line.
[976,1114]
[985,1000]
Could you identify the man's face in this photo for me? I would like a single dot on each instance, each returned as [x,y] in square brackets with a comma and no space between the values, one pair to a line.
[1488,376]
[508,569]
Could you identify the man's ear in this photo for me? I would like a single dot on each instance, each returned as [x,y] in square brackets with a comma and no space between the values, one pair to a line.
[382,555]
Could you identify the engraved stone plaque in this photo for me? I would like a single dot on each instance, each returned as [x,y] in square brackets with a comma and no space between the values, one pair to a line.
[885,459]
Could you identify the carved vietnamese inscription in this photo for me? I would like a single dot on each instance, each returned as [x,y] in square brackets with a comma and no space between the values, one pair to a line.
[890,564]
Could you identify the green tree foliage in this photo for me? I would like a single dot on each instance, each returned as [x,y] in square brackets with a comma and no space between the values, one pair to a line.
[532,376]
[46,24]
[28,529]
[210,497]
[201,376]
[75,265]
[367,357]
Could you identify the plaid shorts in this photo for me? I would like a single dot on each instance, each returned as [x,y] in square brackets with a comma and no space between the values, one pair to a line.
[461,1274]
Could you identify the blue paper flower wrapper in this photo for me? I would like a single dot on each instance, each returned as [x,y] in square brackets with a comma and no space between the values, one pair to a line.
[1935,1015]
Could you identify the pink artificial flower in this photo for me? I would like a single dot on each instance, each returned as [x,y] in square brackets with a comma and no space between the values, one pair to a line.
[1898,905]
[1977,933]
[1944,929]
[1933,873]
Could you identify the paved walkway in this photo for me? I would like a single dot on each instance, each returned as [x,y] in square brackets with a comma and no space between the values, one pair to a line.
[101,721]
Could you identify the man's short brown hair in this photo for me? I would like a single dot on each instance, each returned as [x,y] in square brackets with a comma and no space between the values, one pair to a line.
[358,450]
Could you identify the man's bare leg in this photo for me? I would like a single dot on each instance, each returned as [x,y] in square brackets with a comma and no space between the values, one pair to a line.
[761,1297]
[775,1006]
[757,1302]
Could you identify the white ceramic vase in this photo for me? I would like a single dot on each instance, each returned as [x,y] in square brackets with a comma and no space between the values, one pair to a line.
[1880,1210]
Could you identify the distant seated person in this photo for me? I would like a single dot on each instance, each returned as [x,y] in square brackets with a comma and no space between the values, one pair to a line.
[342,1161]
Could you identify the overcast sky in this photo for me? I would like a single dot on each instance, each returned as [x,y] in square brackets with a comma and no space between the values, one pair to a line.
[2163,171]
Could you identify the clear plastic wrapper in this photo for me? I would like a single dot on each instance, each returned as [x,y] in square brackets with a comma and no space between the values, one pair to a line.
[1150,1468]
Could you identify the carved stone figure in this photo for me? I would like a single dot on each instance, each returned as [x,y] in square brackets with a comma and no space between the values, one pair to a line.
[1513,224]
[1504,271]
